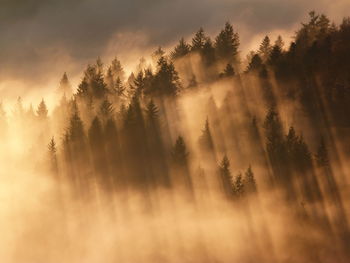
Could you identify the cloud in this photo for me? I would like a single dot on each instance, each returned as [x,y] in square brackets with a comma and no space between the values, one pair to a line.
[40,38]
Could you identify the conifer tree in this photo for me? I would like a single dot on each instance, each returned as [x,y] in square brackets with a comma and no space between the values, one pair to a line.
[208,53]
[42,110]
[265,48]
[106,109]
[238,186]
[198,41]
[226,45]
[249,181]
[226,177]
[117,70]
[53,155]
[181,50]
[206,140]
[152,111]
[65,88]
[179,152]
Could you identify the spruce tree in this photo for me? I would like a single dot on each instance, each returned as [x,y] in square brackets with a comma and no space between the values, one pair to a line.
[65,88]
[181,50]
[226,45]
[206,139]
[53,155]
[226,177]
[265,48]
[42,110]
[249,181]
[179,152]
[198,41]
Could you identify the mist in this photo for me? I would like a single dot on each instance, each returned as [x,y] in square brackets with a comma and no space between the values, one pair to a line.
[156,148]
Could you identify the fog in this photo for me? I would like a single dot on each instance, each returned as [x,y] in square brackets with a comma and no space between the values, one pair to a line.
[191,155]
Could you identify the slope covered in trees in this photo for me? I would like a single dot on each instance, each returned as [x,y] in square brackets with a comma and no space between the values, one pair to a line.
[204,124]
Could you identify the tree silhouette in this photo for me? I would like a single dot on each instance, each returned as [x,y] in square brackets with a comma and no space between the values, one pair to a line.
[198,41]
[179,153]
[226,177]
[53,156]
[65,88]
[206,140]
[249,181]
[226,45]
[42,110]
[265,48]
[181,50]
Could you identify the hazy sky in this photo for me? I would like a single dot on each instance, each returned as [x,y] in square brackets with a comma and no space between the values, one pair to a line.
[39,39]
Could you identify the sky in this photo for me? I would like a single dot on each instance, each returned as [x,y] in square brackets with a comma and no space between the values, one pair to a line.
[41,39]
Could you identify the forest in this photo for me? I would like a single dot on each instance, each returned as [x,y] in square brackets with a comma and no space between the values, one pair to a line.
[198,155]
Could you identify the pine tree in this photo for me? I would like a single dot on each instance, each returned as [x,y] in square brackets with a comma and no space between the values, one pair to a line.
[255,64]
[226,177]
[249,181]
[106,109]
[279,42]
[228,71]
[53,155]
[157,55]
[76,129]
[226,45]
[42,110]
[208,53]
[198,41]
[265,48]
[99,66]
[117,70]
[152,111]
[65,88]
[181,50]
[179,152]
[166,81]
[206,140]
[322,157]
[238,186]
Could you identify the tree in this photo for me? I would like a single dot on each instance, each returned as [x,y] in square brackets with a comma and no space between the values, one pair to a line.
[97,145]
[179,152]
[226,177]
[226,45]
[208,53]
[181,50]
[93,84]
[238,186]
[206,140]
[76,129]
[322,157]
[198,41]
[255,64]
[139,84]
[279,42]
[166,80]
[106,109]
[53,155]
[65,88]
[228,71]
[152,111]
[157,54]
[42,110]
[117,70]
[265,48]
[249,181]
